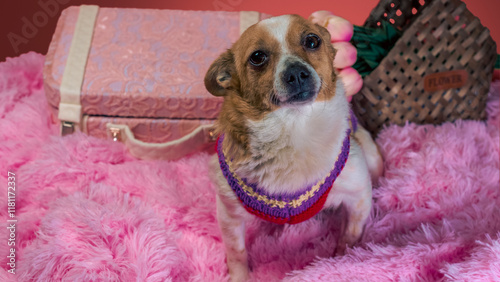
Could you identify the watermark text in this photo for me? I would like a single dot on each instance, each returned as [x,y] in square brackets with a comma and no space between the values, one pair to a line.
[31,25]
[11,221]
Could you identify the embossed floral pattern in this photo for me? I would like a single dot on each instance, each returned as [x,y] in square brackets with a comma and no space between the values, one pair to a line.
[145,63]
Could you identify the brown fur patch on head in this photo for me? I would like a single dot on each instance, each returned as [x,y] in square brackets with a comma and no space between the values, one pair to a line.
[256,82]
[320,59]
[246,89]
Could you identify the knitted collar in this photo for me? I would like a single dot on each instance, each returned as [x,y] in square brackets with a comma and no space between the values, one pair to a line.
[290,208]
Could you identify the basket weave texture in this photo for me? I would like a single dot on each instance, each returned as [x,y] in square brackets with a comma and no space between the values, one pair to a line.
[438,36]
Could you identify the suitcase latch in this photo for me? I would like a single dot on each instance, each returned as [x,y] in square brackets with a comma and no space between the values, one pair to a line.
[115,133]
[67,127]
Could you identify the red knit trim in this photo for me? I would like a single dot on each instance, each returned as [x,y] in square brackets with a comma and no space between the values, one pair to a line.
[303,216]
[312,210]
[273,219]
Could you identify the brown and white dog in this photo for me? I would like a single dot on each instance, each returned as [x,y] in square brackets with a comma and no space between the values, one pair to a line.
[284,120]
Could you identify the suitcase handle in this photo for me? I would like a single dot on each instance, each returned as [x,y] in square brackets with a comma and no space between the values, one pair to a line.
[193,142]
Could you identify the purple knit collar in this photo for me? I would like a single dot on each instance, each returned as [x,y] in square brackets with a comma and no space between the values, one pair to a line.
[286,205]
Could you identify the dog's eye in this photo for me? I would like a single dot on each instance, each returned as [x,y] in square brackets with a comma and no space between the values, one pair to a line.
[311,41]
[258,58]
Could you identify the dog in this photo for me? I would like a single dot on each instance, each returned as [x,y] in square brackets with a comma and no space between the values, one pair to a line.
[286,133]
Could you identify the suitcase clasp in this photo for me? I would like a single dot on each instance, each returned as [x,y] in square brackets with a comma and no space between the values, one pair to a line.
[115,133]
[67,127]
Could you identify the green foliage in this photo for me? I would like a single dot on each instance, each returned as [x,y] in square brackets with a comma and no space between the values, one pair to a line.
[373,44]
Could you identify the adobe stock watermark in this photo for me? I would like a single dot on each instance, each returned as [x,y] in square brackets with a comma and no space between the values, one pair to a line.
[31,26]
[226,5]
[11,222]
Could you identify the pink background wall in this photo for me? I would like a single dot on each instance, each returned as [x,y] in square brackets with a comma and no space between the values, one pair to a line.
[16,39]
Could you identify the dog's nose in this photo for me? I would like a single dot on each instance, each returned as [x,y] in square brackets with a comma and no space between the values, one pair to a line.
[296,76]
[298,83]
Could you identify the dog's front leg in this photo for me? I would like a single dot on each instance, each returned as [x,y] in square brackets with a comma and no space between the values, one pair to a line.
[353,193]
[354,219]
[230,215]
[371,151]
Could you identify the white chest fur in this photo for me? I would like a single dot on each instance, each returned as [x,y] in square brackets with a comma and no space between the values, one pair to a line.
[295,147]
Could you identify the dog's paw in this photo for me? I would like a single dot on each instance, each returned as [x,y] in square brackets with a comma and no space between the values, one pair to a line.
[346,241]
[340,249]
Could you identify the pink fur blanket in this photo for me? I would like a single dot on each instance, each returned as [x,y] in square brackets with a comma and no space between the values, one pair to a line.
[87,211]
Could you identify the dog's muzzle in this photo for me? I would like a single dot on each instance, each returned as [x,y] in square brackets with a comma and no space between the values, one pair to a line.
[298,83]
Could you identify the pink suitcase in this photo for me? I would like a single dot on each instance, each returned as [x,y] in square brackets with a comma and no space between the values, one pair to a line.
[136,75]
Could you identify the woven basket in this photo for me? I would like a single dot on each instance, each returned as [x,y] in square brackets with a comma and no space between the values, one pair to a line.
[439,70]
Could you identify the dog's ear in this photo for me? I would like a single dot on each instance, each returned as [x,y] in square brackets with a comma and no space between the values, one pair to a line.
[221,74]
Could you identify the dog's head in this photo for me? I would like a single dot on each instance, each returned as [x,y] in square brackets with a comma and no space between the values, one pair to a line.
[284,61]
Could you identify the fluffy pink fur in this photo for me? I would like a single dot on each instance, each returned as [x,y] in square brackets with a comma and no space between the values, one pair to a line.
[88,211]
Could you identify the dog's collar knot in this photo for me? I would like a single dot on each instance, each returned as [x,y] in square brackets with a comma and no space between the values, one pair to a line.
[282,209]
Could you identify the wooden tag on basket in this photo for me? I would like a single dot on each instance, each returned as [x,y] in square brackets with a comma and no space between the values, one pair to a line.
[445,80]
